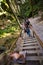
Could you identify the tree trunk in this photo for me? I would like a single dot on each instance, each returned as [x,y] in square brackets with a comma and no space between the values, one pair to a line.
[13,9]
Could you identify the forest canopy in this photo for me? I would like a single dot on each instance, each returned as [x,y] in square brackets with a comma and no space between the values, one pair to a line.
[22,8]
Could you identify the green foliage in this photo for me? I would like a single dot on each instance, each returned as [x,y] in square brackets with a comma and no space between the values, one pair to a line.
[8,29]
[40,5]
[25,9]
[9,41]
[3,6]
[12,27]
[9,17]
[3,16]
[31,7]
[6,7]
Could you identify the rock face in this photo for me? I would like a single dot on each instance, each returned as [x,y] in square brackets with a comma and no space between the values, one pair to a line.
[38,28]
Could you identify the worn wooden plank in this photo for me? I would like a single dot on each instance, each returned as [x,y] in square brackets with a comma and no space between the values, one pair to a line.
[34,51]
[27,44]
[30,38]
[29,41]
[30,47]
[34,58]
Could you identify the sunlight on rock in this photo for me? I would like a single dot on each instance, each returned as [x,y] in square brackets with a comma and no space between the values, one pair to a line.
[2,28]
[8,21]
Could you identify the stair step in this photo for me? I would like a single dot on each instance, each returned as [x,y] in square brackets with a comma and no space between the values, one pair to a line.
[30,47]
[30,38]
[34,51]
[29,41]
[29,44]
[34,58]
